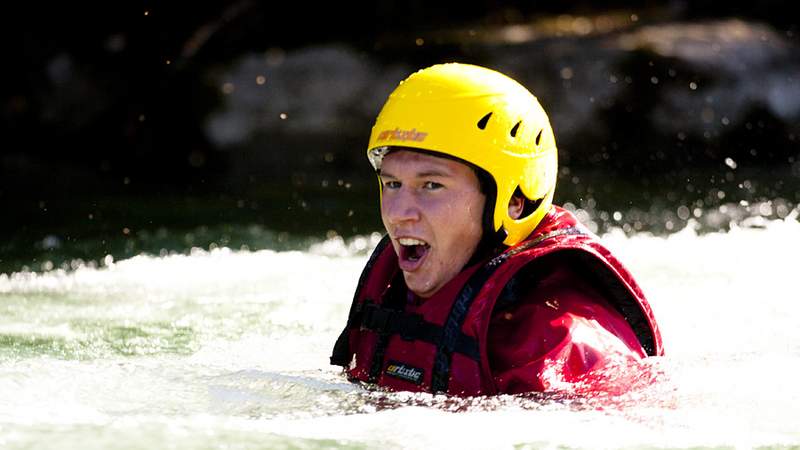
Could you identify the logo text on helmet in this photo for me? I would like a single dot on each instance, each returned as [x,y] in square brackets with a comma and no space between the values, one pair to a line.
[402,135]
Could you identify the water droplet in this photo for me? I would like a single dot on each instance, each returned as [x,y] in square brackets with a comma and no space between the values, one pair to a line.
[50,242]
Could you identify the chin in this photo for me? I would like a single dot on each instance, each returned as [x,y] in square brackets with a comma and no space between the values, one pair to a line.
[418,287]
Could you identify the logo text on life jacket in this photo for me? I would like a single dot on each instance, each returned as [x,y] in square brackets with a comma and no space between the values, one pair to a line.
[404,372]
[402,135]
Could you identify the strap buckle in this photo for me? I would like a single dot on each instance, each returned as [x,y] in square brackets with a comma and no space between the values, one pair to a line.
[387,321]
[376,319]
[409,326]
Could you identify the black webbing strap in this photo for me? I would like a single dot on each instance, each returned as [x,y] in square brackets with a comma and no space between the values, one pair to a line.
[378,354]
[341,349]
[440,377]
[393,299]
[413,327]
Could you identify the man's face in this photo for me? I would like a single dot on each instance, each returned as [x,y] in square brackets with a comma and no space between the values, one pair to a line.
[432,209]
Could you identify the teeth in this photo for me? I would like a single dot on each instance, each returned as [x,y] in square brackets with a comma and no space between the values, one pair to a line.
[410,241]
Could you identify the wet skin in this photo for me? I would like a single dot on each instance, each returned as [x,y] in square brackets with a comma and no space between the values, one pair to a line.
[432,209]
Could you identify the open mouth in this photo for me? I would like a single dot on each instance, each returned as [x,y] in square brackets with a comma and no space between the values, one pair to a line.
[412,250]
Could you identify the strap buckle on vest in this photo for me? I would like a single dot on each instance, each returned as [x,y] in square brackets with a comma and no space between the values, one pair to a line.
[376,318]
[387,321]
[410,325]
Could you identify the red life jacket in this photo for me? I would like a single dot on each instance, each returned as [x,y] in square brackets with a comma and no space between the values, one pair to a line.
[441,346]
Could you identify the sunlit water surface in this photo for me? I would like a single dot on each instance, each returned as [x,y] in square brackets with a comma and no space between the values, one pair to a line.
[229,349]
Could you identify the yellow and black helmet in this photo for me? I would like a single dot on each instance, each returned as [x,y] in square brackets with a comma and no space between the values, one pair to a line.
[480,116]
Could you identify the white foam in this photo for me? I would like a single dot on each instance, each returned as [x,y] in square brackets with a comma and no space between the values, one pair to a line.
[258,328]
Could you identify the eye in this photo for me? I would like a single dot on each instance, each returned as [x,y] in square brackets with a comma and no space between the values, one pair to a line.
[432,185]
[391,184]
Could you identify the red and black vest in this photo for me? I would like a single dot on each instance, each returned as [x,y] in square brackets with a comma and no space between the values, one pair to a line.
[441,346]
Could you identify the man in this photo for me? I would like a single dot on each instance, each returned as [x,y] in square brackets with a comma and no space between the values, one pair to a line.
[481,285]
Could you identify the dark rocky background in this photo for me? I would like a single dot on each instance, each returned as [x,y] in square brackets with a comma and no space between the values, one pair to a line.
[123,120]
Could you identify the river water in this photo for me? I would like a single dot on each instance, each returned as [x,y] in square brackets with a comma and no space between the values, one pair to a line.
[227,348]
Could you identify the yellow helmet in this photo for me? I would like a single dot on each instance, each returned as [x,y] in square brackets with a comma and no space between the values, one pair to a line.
[480,116]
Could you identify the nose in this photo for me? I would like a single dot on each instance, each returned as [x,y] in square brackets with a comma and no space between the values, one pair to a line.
[399,206]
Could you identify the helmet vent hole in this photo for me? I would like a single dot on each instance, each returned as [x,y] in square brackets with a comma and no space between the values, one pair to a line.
[538,137]
[514,130]
[484,120]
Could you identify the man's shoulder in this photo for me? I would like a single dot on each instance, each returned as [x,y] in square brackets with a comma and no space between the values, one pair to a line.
[551,275]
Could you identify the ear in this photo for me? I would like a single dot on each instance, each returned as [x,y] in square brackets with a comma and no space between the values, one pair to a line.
[515,206]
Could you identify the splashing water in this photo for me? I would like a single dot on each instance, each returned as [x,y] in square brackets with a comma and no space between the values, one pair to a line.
[228,349]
